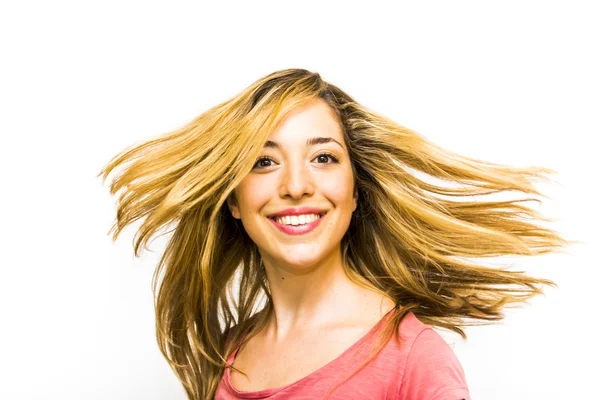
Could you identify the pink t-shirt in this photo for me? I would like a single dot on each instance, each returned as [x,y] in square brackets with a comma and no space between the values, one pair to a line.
[423,367]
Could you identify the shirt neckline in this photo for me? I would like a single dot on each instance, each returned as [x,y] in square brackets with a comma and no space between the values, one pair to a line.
[258,394]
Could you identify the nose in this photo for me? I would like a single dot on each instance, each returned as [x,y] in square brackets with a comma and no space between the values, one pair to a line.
[297,180]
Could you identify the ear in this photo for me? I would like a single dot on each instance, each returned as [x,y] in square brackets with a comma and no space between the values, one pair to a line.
[355,200]
[233,207]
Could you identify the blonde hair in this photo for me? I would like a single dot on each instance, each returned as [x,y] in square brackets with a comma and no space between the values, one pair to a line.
[408,238]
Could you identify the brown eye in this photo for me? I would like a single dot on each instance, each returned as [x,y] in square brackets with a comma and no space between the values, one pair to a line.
[325,155]
[261,160]
[259,164]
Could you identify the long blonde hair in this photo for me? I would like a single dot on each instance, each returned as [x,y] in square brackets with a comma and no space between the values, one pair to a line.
[409,238]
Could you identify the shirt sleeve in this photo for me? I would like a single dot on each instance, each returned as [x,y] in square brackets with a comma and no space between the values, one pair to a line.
[432,372]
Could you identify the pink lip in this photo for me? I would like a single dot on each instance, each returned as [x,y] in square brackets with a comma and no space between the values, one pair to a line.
[297,230]
[298,211]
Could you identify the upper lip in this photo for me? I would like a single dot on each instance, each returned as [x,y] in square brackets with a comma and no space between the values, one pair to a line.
[298,211]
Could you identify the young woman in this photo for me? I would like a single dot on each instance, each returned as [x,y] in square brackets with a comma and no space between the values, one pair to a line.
[293,193]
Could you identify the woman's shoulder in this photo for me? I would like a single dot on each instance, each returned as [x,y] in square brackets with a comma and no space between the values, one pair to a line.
[409,330]
[247,326]
[421,365]
[428,367]
[411,326]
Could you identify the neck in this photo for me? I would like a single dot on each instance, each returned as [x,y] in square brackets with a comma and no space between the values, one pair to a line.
[321,295]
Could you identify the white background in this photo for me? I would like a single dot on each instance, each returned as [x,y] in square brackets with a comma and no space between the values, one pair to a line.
[514,82]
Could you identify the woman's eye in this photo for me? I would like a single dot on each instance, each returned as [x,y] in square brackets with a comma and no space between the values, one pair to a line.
[320,156]
[263,159]
[325,155]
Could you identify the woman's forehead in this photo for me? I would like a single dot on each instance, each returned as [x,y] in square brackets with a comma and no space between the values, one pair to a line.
[307,125]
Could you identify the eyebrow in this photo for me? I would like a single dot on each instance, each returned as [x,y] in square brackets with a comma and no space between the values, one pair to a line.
[309,142]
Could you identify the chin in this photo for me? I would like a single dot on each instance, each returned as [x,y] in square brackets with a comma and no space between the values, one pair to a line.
[300,263]
[300,256]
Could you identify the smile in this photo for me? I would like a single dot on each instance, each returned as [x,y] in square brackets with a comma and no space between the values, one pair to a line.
[297,229]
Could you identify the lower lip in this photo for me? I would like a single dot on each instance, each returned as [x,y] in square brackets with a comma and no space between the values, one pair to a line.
[298,229]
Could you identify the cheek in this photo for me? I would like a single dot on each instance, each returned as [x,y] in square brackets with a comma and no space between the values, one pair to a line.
[252,194]
[338,188]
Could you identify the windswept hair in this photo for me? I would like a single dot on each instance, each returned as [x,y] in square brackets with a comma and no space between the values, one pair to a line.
[411,238]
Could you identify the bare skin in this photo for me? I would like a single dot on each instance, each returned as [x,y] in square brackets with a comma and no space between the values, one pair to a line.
[271,364]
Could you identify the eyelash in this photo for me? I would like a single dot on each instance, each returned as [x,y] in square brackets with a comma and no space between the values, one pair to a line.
[334,158]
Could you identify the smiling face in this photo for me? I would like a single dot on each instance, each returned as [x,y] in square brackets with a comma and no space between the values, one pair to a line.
[290,173]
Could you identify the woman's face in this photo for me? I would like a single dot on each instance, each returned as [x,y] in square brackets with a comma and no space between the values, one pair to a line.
[291,174]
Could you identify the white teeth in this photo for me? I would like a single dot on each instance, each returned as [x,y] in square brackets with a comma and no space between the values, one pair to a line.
[297,219]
